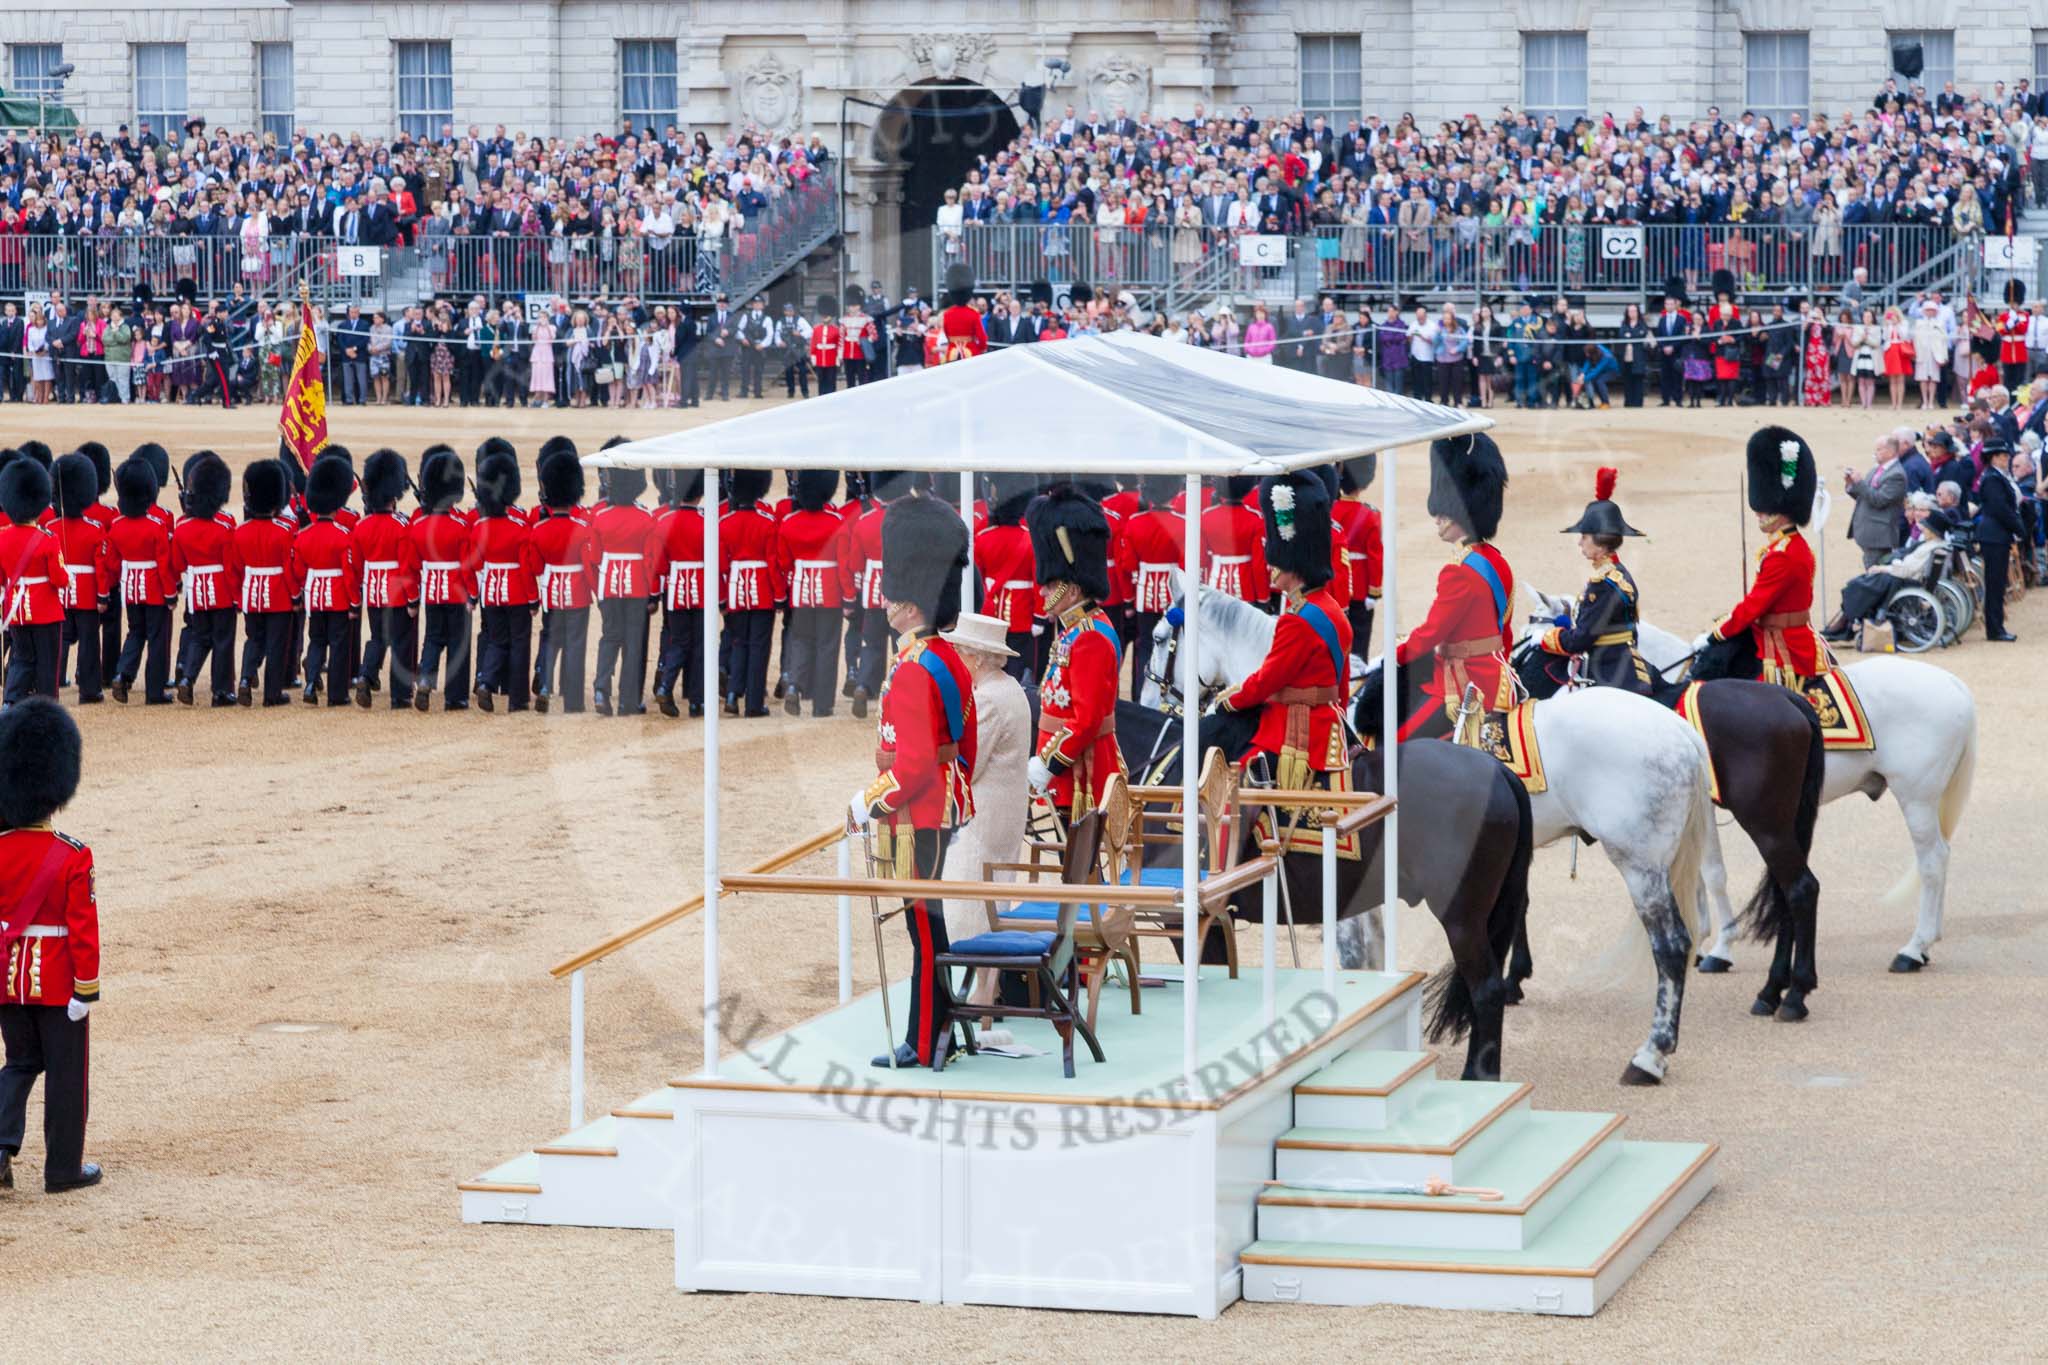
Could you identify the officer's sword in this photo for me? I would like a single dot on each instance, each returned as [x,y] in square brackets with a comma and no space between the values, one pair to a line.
[875,917]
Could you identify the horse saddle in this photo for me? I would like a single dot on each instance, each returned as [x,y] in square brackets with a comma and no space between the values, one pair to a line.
[1843,724]
[1510,736]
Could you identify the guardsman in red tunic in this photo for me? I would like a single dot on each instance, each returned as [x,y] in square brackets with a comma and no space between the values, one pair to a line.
[807,545]
[568,568]
[389,587]
[271,588]
[925,748]
[1077,754]
[442,537]
[101,515]
[868,652]
[142,565]
[506,568]
[1359,544]
[1152,554]
[960,325]
[1009,579]
[81,529]
[1465,638]
[2013,324]
[681,527]
[751,591]
[33,582]
[49,942]
[628,544]
[324,561]
[1769,634]
[211,579]
[1234,545]
[549,449]
[1300,689]
[828,345]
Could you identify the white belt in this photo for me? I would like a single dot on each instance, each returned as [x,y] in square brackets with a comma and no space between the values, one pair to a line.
[271,572]
[445,565]
[738,564]
[609,558]
[128,564]
[1354,554]
[45,931]
[29,582]
[76,569]
[494,565]
[676,566]
[1230,559]
[386,565]
[322,573]
[552,570]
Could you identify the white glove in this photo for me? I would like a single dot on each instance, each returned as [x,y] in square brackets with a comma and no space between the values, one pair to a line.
[1706,638]
[1037,774]
[859,812]
[77,1009]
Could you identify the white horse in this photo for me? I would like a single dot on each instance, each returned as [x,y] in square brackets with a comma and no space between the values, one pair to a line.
[1925,721]
[1622,771]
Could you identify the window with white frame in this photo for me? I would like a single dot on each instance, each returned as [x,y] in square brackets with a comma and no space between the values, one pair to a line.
[28,70]
[160,89]
[1775,83]
[647,83]
[274,101]
[1937,59]
[2040,60]
[1554,76]
[426,88]
[1331,83]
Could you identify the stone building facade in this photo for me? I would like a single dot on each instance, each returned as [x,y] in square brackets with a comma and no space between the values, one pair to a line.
[568,67]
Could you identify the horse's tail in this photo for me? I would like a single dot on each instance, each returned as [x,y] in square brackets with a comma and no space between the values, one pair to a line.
[1684,872]
[1955,798]
[1769,913]
[1449,1000]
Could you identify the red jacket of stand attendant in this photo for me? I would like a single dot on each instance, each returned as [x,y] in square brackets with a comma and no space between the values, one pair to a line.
[442,541]
[1153,550]
[1234,552]
[746,560]
[141,561]
[31,575]
[212,575]
[568,561]
[806,561]
[627,545]
[682,556]
[504,562]
[387,560]
[270,574]
[324,561]
[1009,576]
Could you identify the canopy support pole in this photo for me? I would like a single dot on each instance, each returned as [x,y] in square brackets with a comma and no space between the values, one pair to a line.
[1390,636]
[1190,766]
[967,518]
[714,592]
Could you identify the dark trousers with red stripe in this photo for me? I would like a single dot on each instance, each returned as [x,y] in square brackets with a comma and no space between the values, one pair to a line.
[504,654]
[1359,613]
[267,646]
[148,624]
[810,656]
[682,654]
[209,634]
[446,636]
[622,654]
[926,922]
[32,656]
[1143,623]
[748,635]
[394,635]
[330,653]
[564,652]
[42,1041]
[82,629]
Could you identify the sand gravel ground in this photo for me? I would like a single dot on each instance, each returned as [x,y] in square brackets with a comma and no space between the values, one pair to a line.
[326,1002]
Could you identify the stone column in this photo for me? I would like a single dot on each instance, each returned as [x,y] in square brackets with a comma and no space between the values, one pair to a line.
[1185,76]
[874,224]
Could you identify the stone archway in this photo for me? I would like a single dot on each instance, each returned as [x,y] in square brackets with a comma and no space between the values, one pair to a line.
[932,132]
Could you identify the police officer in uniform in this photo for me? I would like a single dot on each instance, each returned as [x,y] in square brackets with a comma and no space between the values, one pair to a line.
[1601,631]
[50,942]
[1077,752]
[925,750]
[1769,634]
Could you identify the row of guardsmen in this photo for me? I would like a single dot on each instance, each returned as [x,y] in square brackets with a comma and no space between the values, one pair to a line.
[339,604]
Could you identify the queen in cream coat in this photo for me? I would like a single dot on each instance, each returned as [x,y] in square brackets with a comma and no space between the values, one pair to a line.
[1002,751]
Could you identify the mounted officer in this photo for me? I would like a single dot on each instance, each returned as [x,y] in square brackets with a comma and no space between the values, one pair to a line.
[1769,635]
[1601,631]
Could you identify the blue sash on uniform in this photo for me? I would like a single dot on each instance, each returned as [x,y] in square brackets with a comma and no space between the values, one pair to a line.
[1483,566]
[949,694]
[1107,631]
[1319,621]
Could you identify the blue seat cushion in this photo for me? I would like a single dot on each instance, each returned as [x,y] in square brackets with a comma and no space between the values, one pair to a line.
[1005,943]
[1047,911]
[1156,876]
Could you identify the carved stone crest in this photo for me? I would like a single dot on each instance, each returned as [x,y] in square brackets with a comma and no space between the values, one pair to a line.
[1119,81]
[950,54]
[770,95]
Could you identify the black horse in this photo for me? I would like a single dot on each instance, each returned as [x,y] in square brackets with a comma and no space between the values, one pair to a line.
[1769,762]
[1466,855]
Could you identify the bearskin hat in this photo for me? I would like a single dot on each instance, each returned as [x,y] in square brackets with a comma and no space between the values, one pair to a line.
[384,478]
[1724,285]
[959,285]
[1070,541]
[1080,293]
[102,464]
[265,486]
[826,308]
[209,483]
[855,296]
[1297,510]
[1159,490]
[493,445]
[1782,475]
[24,491]
[135,487]
[749,486]
[1238,487]
[336,450]
[158,459]
[1602,517]
[441,479]
[76,484]
[2015,292]
[1041,292]
[625,485]
[1674,290]
[887,485]
[815,488]
[924,548]
[1468,482]
[39,760]
[682,486]
[1009,497]
[557,445]
[328,486]
[39,451]
[1358,473]
[497,479]
[561,479]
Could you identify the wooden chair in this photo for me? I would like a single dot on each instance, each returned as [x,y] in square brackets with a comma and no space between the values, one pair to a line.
[1161,824]
[1047,959]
